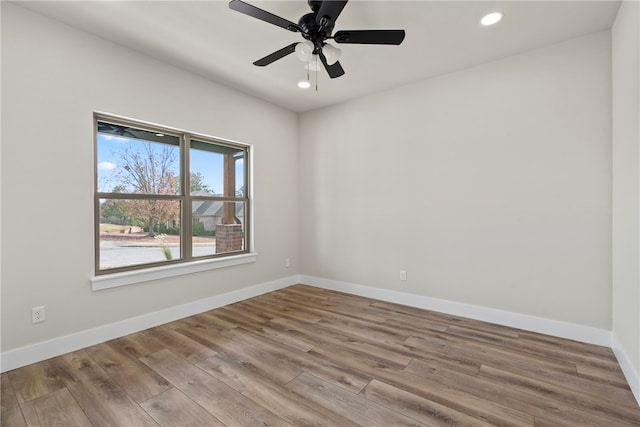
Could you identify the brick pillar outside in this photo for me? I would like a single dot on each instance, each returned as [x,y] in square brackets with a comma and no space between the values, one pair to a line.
[229,238]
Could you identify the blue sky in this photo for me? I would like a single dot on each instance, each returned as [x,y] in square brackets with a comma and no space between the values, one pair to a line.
[210,165]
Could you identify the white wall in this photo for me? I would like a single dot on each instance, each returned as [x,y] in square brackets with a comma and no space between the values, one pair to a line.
[626,189]
[53,78]
[491,186]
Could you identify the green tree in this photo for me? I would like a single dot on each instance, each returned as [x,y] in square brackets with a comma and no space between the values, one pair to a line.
[196,181]
[112,210]
[198,184]
[115,210]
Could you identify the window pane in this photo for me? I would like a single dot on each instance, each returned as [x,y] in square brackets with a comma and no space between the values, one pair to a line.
[240,184]
[138,232]
[216,170]
[218,227]
[136,161]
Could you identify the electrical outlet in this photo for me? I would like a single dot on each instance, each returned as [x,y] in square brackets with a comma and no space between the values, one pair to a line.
[403,275]
[287,262]
[37,314]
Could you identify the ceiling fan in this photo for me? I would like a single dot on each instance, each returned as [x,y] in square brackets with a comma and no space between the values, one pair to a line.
[316,28]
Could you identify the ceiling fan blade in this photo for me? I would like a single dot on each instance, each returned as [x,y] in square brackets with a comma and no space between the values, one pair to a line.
[329,12]
[278,54]
[394,37]
[263,15]
[334,70]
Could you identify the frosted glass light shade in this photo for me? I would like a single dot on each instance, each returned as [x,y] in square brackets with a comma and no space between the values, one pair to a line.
[313,64]
[304,50]
[332,53]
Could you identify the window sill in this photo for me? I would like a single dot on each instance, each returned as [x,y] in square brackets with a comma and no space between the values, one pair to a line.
[131,277]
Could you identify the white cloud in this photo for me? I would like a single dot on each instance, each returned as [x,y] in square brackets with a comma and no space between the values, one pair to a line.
[106,166]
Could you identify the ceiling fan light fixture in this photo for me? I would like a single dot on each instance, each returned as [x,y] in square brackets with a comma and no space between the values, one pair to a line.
[304,84]
[491,18]
[313,64]
[304,50]
[332,53]
[316,28]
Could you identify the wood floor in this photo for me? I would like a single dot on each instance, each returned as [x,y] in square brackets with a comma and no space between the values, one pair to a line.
[304,356]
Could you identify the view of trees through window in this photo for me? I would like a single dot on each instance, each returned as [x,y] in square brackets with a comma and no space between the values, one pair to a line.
[145,216]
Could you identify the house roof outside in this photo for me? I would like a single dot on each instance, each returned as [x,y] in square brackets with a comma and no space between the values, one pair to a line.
[213,208]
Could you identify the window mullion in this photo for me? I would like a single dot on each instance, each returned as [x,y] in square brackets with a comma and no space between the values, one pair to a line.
[187,220]
[138,196]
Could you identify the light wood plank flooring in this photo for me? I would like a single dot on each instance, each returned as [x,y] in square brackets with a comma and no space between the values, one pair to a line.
[304,356]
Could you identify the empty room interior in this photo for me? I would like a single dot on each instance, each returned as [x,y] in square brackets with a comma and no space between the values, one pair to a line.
[401,216]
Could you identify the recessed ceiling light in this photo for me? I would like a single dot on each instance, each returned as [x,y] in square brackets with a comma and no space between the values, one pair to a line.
[304,84]
[491,18]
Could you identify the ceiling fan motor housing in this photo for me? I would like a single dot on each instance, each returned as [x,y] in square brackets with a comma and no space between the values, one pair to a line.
[312,31]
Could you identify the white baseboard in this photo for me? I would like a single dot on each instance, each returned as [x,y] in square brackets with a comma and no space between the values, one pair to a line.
[556,328]
[633,377]
[19,357]
[22,356]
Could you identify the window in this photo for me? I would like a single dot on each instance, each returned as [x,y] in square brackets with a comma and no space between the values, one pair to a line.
[166,197]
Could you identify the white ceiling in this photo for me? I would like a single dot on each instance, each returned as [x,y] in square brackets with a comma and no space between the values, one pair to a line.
[208,38]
